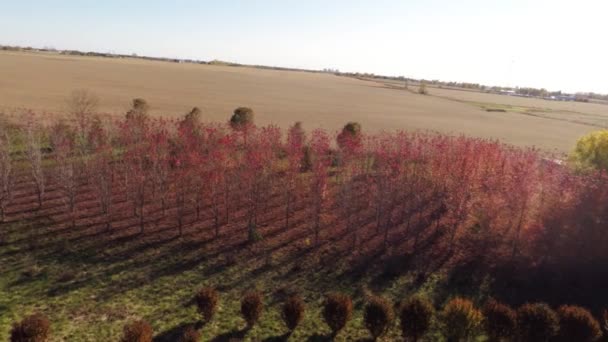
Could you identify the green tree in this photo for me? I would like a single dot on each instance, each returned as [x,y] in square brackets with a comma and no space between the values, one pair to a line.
[242,118]
[591,151]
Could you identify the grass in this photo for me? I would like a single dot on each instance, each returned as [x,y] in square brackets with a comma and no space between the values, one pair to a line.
[92,286]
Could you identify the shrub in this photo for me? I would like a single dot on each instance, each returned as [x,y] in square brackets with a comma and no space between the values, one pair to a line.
[500,320]
[337,311]
[34,328]
[138,331]
[190,335]
[422,89]
[536,322]
[293,311]
[577,324]
[206,302]
[378,316]
[251,307]
[461,320]
[605,322]
[242,118]
[415,315]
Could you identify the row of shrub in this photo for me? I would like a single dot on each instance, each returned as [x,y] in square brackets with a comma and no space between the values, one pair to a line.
[459,320]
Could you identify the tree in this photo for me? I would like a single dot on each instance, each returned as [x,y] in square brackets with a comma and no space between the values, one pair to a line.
[136,163]
[337,311]
[604,322]
[190,334]
[242,118]
[319,146]
[242,121]
[34,328]
[159,159]
[296,140]
[378,316]
[101,168]
[422,88]
[33,152]
[206,302]
[536,322]
[349,139]
[461,320]
[577,324]
[62,141]
[82,105]
[137,119]
[192,121]
[293,312]
[219,154]
[139,110]
[6,172]
[138,331]
[591,151]
[415,314]
[251,307]
[500,320]
[257,171]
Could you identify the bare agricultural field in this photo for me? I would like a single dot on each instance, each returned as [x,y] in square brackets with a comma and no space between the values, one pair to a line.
[43,81]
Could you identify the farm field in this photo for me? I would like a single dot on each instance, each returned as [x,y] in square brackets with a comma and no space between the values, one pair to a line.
[109,219]
[41,82]
[97,233]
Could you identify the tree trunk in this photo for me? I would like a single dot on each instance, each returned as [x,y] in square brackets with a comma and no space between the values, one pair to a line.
[287,210]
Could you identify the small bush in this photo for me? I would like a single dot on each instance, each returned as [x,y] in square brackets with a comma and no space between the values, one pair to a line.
[577,324]
[138,331]
[293,312]
[34,328]
[500,320]
[422,89]
[461,320]
[415,315]
[190,335]
[536,322]
[251,307]
[605,322]
[337,311]
[206,302]
[378,316]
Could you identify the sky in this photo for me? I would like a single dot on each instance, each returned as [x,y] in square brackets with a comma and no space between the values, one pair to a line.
[554,44]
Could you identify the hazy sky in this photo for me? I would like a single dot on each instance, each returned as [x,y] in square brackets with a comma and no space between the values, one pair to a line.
[555,44]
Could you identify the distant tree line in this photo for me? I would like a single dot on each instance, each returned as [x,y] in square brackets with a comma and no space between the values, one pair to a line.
[525,91]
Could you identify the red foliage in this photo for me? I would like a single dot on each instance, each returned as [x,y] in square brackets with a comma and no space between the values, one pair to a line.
[453,196]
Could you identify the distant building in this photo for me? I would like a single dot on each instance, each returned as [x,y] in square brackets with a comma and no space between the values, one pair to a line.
[507,92]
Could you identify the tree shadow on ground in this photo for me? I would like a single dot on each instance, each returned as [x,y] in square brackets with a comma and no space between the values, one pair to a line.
[279,338]
[320,338]
[515,283]
[231,336]
[176,333]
